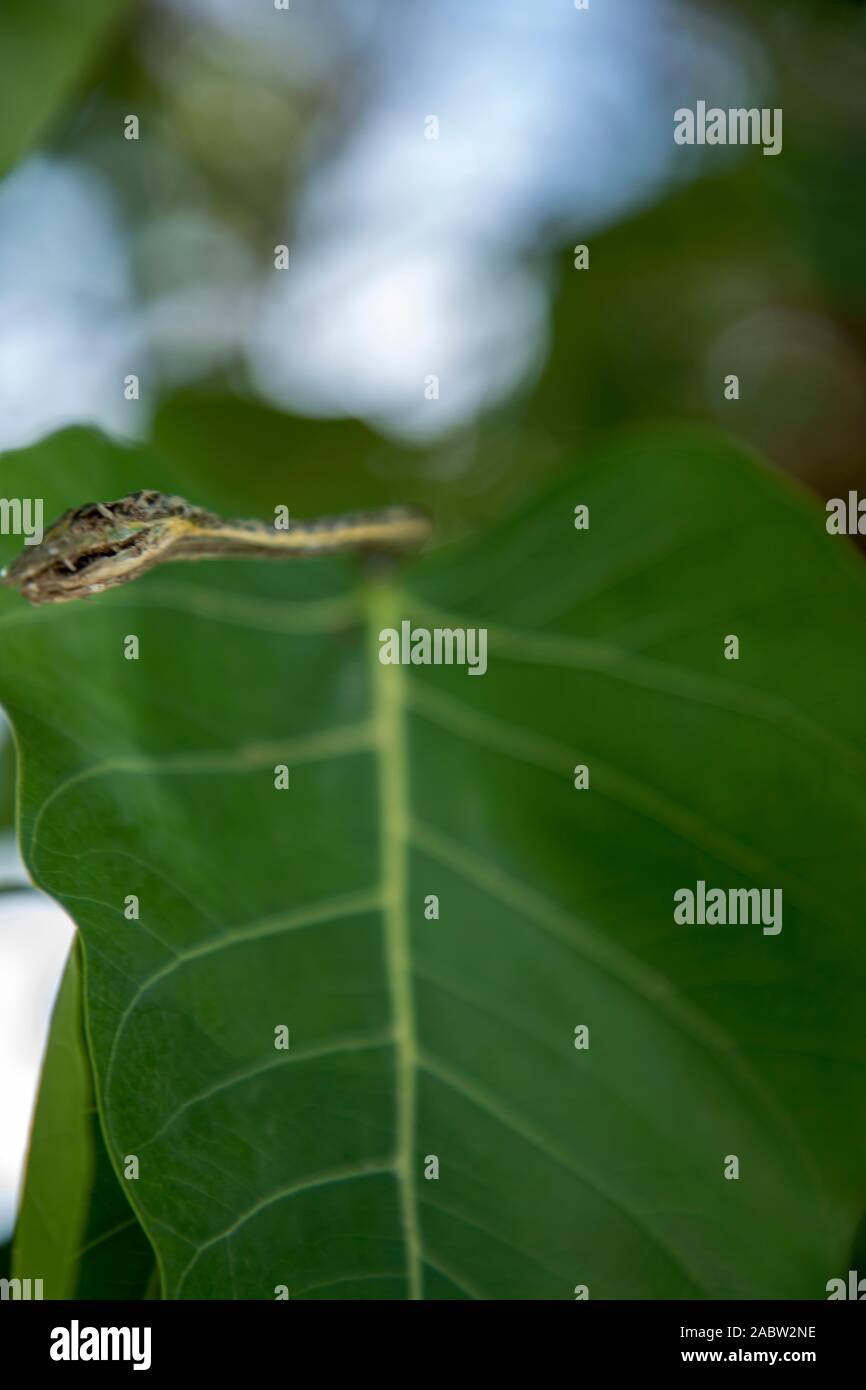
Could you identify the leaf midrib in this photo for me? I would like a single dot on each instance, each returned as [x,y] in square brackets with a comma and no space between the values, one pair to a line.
[388,686]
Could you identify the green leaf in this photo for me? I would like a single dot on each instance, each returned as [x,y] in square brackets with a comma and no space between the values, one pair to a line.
[76,1231]
[116,1260]
[7,778]
[51,1223]
[453,1038]
[44,51]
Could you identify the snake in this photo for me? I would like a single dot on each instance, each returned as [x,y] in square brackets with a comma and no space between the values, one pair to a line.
[99,545]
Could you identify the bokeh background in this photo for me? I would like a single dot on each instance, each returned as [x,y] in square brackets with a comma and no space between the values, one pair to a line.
[411,257]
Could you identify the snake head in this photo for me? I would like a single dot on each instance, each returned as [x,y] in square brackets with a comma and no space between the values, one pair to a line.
[98,546]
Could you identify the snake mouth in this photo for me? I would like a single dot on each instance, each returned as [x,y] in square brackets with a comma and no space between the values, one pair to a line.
[78,573]
[64,568]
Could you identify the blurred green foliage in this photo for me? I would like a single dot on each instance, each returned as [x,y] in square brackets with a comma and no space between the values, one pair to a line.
[47,53]
[753,264]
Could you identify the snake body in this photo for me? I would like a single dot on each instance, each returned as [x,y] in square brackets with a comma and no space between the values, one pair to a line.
[103,544]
